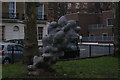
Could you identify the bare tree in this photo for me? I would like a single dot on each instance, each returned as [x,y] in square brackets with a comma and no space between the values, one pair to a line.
[116,28]
[30,29]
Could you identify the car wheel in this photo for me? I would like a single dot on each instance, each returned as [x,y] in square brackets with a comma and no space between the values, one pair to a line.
[6,61]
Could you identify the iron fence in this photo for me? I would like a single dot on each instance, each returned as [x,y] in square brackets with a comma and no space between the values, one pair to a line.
[91,50]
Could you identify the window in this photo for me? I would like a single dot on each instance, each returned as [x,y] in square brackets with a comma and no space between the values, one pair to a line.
[69,5]
[41,11]
[1,47]
[19,48]
[104,36]
[91,37]
[58,4]
[85,5]
[109,22]
[12,10]
[16,28]
[77,5]
[40,33]
[10,47]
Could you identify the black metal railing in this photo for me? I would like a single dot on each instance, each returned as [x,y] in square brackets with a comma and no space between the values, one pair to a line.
[10,16]
[98,38]
[98,26]
[42,17]
[39,17]
[20,16]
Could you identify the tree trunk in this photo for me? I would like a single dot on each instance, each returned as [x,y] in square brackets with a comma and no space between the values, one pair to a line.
[30,29]
[116,28]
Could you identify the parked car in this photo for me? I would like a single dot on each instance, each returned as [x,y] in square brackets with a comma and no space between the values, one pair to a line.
[10,52]
[18,41]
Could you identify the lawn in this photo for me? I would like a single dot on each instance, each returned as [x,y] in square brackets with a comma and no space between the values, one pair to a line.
[103,67]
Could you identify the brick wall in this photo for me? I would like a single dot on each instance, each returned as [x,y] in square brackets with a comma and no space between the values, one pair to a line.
[85,19]
[106,15]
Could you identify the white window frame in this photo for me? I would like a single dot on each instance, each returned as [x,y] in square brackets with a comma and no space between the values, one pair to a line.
[15,28]
[77,5]
[12,9]
[107,22]
[69,5]
[104,36]
[104,33]
[39,33]
[91,37]
[85,5]
[41,16]
[91,34]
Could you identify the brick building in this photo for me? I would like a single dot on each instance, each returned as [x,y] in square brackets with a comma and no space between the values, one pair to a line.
[94,26]
[57,9]
[93,17]
[89,15]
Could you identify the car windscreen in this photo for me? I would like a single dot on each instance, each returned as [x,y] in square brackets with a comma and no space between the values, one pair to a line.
[1,47]
[20,41]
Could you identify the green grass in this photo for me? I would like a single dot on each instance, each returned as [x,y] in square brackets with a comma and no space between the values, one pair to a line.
[0,71]
[16,70]
[104,67]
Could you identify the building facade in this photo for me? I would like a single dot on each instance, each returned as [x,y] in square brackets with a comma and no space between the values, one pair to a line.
[95,26]
[57,9]
[13,16]
[94,18]
[104,30]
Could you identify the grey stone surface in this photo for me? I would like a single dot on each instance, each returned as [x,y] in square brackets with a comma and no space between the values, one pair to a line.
[60,36]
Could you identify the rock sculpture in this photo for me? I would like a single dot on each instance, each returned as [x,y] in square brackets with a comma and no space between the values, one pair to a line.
[60,36]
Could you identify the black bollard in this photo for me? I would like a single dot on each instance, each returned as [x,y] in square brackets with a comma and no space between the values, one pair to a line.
[89,50]
[12,55]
